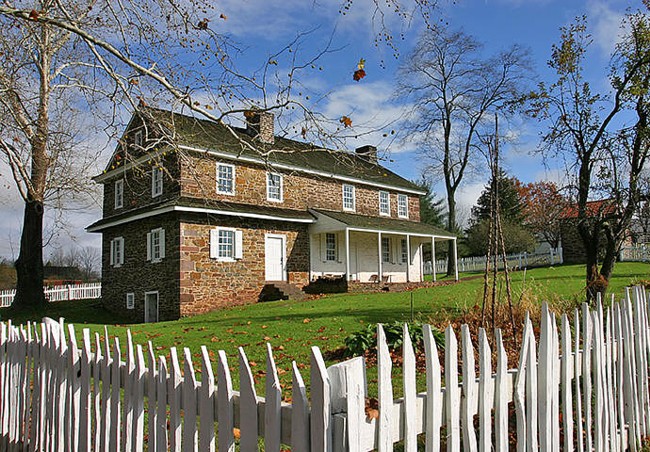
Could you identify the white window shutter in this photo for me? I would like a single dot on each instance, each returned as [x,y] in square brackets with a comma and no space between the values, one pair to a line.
[162,243]
[214,243]
[112,259]
[121,245]
[148,246]
[239,244]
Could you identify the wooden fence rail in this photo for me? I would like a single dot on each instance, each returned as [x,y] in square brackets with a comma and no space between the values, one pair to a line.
[581,388]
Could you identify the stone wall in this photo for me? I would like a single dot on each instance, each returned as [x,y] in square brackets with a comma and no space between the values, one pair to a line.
[137,186]
[300,191]
[137,275]
[207,283]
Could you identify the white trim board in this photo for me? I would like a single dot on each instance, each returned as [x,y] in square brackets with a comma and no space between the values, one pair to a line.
[168,209]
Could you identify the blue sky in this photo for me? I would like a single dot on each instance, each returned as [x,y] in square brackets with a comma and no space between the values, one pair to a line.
[263,26]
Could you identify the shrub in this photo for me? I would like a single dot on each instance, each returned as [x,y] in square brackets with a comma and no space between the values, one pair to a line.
[365,339]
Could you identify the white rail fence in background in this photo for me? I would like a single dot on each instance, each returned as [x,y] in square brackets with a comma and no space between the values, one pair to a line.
[636,253]
[520,260]
[59,293]
[582,388]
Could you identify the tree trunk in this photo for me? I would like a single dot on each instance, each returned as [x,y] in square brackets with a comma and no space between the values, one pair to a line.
[595,282]
[451,227]
[29,266]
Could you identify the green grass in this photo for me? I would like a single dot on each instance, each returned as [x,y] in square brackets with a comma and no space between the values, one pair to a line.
[293,327]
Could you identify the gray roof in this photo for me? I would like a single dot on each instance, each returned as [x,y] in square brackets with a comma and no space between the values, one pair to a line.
[384,224]
[208,135]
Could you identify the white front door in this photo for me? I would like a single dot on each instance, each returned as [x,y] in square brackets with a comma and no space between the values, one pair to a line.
[275,258]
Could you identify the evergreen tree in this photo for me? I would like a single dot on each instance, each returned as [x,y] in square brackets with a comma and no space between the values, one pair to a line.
[432,210]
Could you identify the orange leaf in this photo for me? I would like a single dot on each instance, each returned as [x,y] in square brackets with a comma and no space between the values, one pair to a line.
[358,75]
[33,15]
[347,122]
[203,24]
[236,433]
[223,16]
[306,321]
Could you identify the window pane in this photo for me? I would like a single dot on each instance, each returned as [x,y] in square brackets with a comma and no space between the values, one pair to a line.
[274,186]
[402,206]
[330,247]
[405,256]
[385,249]
[226,243]
[348,197]
[384,206]
[225,179]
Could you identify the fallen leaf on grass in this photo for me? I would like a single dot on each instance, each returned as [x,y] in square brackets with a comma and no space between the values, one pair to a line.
[306,320]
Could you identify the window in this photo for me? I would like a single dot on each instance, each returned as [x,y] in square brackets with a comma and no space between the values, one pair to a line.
[273,187]
[348,197]
[384,203]
[130,301]
[385,249]
[156,245]
[405,252]
[156,181]
[226,244]
[225,179]
[117,252]
[119,194]
[402,206]
[137,138]
[330,247]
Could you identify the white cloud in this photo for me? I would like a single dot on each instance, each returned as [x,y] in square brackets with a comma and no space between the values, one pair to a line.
[605,20]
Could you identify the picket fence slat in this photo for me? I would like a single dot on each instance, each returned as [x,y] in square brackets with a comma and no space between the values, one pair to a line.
[582,391]
[206,403]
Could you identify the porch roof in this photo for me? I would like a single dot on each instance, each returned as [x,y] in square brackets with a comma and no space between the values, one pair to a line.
[385,225]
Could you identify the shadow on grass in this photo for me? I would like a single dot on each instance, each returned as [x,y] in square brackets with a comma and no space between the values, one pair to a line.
[75,311]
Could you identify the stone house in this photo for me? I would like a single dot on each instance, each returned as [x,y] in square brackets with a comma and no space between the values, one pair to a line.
[198,216]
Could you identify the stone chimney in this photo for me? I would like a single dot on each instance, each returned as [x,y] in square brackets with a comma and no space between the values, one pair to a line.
[368,152]
[260,124]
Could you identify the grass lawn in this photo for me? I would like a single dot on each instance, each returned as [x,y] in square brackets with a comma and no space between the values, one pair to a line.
[293,327]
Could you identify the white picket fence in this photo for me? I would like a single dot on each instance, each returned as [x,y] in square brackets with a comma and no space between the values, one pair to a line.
[635,253]
[591,385]
[59,293]
[519,260]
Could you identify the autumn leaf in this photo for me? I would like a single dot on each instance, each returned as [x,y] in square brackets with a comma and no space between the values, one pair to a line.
[347,122]
[236,433]
[360,72]
[306,320]
[372,408]
[223,16]
[134,81]
[303,132]
[33,15]
[203,24]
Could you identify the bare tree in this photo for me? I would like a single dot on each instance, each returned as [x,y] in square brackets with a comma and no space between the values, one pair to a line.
[604,137]
[453,89]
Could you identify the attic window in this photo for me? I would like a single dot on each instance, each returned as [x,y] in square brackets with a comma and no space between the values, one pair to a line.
[137,138]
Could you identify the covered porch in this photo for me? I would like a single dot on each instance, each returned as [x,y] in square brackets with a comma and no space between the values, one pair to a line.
[371,249]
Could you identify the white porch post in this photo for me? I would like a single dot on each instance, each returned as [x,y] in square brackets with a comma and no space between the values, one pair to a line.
[433,257]
[347,254]
[456,259]
[380,270]
[408,257]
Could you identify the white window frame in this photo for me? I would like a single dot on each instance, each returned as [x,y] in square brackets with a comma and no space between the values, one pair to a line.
[156,245]
[130,300]
[237,244]
[402,206]
[119,193]
[331,247]
[232,179]
[117,252]
[384,205]
[386,245]
[404,251]
[349,201]
[269,178]
[156,181]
